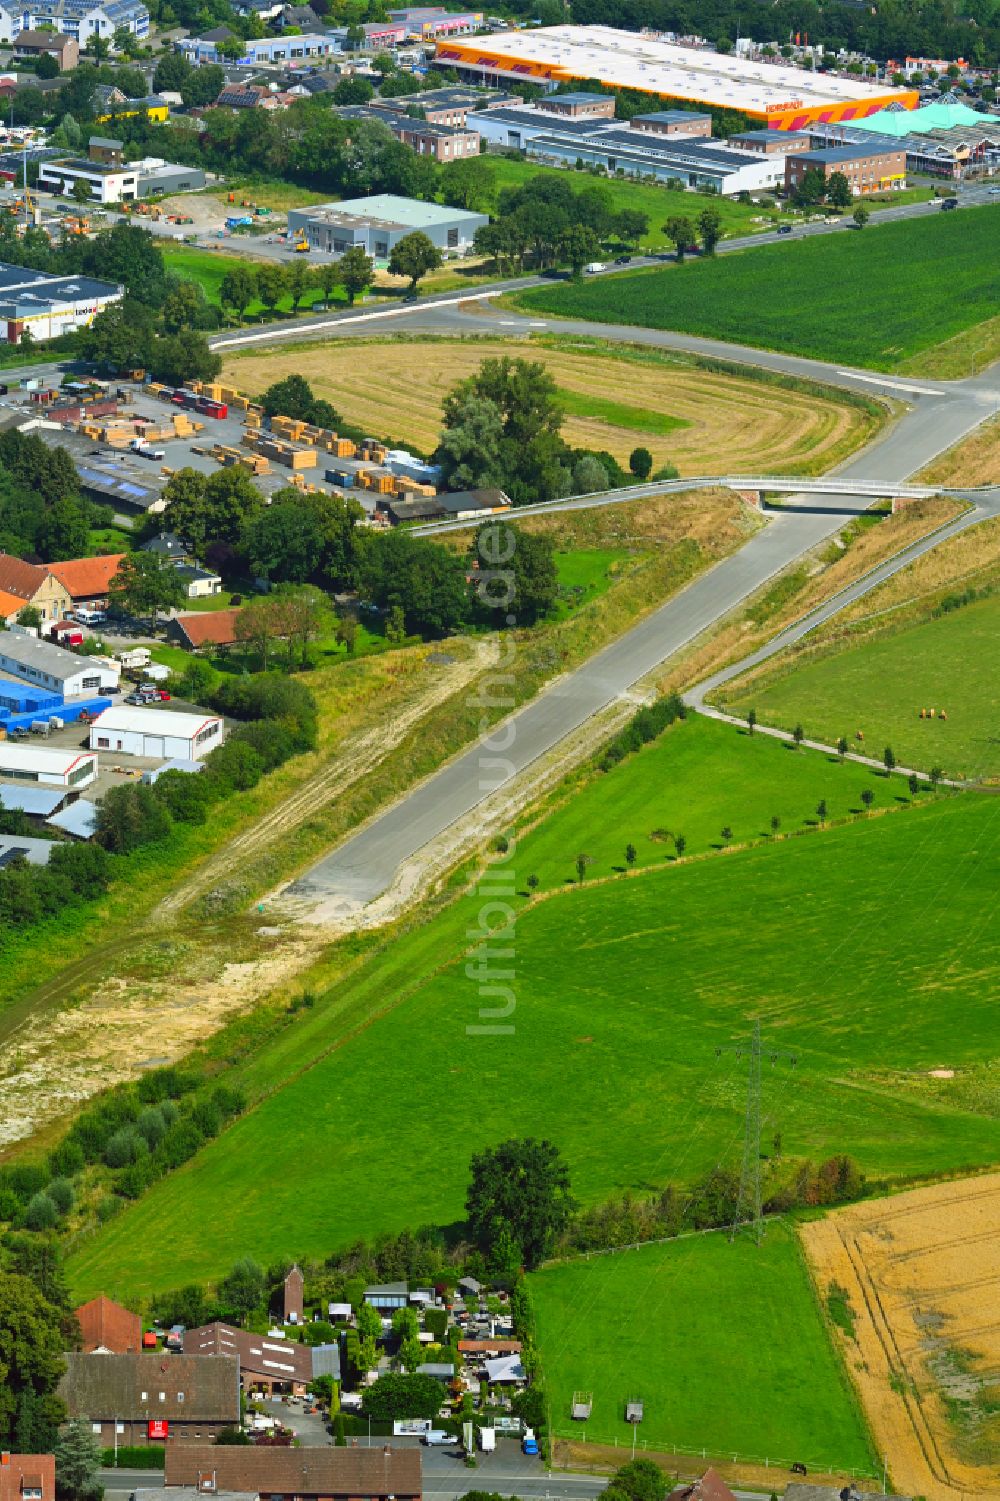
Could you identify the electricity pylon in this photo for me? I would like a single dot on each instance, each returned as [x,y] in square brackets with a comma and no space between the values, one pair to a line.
[749,1208]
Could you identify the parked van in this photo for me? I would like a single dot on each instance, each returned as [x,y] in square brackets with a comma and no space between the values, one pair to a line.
[90,617]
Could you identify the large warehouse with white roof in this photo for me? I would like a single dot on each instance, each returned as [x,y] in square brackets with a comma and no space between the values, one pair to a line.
[156,733]
[785,97]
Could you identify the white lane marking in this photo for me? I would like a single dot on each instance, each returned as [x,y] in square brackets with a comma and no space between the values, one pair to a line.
[896,385]
[538,325]
[394,312]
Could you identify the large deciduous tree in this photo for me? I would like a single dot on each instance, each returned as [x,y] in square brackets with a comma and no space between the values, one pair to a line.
[521,1186]
[32,1339]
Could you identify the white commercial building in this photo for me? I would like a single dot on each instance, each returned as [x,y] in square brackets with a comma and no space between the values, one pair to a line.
[156,732]
[107,183]
[42,763]
[49,305]
[40,662]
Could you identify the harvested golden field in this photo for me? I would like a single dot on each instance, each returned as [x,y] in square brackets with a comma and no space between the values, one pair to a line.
[974,461]
[394,388]
[920,1276]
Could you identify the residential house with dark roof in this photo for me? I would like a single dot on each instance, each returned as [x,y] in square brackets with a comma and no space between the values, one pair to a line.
[107,1326]
[380,1474]
[65,49]
[152,1398]
[27,1477]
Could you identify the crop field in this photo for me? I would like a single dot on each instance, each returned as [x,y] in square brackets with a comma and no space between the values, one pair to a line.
[876,298]
[697,419]
[920,1273]
[624,987]
[656,1322]
[879,685]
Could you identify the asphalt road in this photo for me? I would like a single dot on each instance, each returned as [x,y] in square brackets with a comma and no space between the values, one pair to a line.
[364,865]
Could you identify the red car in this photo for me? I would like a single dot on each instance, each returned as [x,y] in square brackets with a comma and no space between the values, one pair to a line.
[163,695]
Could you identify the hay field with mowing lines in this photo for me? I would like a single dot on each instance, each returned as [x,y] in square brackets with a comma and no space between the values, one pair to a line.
[624,987]
[921,1272]
[880,684]
[662,1321]
[394,388]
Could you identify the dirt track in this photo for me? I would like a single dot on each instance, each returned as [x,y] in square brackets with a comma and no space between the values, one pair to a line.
[922,1275]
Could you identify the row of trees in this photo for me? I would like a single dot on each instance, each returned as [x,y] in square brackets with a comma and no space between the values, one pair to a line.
[41,511]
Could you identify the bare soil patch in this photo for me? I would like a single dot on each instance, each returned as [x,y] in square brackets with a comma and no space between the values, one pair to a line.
[922,1275]
[395,389]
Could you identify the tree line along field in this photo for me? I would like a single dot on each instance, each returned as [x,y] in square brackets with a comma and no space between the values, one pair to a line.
[723,1341]
[880,683]
[624,988]
[875,298]
[616,400]
[699,778]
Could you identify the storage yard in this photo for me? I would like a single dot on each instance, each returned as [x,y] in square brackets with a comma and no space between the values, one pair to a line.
[785,97]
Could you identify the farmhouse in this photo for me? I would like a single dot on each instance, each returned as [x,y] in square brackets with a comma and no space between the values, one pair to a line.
[381,1474]
[266,1364]
[52,667]
[108,1327]
[87,580]
[152,1397]
[378,223]
[24,584]
[156,732]
[27,1477]
[40,763]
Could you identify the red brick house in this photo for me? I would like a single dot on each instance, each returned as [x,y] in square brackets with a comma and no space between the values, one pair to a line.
[27,1477]
[108,1326]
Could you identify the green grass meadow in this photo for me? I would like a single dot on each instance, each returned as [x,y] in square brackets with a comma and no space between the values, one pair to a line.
[696,779]
[723,1342]
[872,298]
[879,686]
[868,949]
[208,268]
[657,202]
[619,414]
